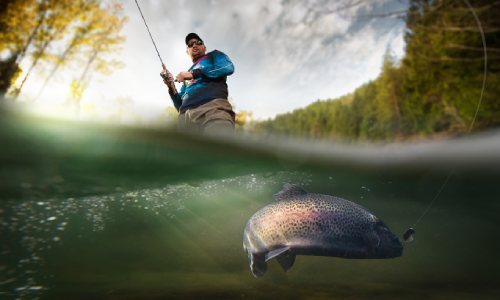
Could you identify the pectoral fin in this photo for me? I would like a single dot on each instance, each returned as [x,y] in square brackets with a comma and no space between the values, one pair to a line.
[276,252]
[284,257]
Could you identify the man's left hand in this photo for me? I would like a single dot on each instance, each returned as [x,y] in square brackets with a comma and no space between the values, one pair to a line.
[184,76]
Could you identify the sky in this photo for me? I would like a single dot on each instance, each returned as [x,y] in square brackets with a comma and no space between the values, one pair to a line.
[287,54]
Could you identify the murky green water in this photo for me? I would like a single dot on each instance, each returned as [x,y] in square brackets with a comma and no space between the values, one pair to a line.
[93,212]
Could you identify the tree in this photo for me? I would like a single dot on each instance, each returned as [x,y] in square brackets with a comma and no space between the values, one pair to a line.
[34,30]
[105,39]
[387,100]
[436,89]
[86,22]
[20,21]
[57,15]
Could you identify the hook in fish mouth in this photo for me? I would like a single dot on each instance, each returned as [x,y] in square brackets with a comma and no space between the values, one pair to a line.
[409,235]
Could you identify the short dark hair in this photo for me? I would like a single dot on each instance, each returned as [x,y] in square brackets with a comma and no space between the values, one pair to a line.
[191,36]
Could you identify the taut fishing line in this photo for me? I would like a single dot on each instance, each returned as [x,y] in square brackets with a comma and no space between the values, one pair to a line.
[409,235]
[151,36]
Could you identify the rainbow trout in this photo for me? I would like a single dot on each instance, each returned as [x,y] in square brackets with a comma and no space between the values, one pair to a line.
[302,223]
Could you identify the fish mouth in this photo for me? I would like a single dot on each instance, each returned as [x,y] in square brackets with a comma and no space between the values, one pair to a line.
[394,251]
[390,246]
[386,251]
[393,248]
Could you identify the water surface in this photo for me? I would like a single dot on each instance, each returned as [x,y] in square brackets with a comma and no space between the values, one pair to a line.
[98,212]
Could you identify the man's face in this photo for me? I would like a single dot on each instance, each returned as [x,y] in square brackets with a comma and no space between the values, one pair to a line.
[195,49]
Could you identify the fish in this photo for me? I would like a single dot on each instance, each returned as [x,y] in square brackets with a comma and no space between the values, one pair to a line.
[302,223]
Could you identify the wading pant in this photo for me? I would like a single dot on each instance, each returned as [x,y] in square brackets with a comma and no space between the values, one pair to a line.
[213,116]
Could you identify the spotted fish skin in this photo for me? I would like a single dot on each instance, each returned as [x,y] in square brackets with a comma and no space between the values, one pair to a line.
[302,223]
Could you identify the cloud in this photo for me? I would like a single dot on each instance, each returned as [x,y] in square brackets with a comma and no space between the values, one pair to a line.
[287,53]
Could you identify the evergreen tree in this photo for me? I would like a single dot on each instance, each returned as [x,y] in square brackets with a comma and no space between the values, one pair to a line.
[435,89]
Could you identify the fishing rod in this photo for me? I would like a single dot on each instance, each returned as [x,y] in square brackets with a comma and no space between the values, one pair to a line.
[409,235]
[151,36]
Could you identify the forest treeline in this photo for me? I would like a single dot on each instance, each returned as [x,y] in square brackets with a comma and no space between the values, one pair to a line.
[51,35]
[433,90]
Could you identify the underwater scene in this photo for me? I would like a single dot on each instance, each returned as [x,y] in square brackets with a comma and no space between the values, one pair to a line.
[100,212]
[364,161]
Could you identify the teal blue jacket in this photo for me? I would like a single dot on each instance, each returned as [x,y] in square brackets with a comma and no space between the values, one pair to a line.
[209,81]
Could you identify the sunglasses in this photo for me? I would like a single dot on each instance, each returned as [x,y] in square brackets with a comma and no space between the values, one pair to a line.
[191,44]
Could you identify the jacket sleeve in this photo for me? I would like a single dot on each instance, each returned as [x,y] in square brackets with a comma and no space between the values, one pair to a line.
[219,65]
[177,98]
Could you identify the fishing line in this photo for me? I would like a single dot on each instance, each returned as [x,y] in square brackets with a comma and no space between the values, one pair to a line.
[483,38]
[151,36]
[409,235]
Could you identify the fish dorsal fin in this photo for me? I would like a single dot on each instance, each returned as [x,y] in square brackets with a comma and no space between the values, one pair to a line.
[276,252]
[289,191]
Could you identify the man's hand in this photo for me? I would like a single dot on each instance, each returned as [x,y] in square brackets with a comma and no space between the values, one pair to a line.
[184,76]
[168,79]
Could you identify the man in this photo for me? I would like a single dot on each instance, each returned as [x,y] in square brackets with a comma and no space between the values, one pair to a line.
[202,101]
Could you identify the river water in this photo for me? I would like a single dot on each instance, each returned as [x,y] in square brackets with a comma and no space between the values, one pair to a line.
[98,212]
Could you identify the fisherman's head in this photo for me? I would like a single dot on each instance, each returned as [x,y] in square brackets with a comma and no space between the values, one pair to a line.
[195,46]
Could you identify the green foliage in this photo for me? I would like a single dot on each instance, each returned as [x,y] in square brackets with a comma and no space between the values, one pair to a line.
[435,89]
[36,30]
